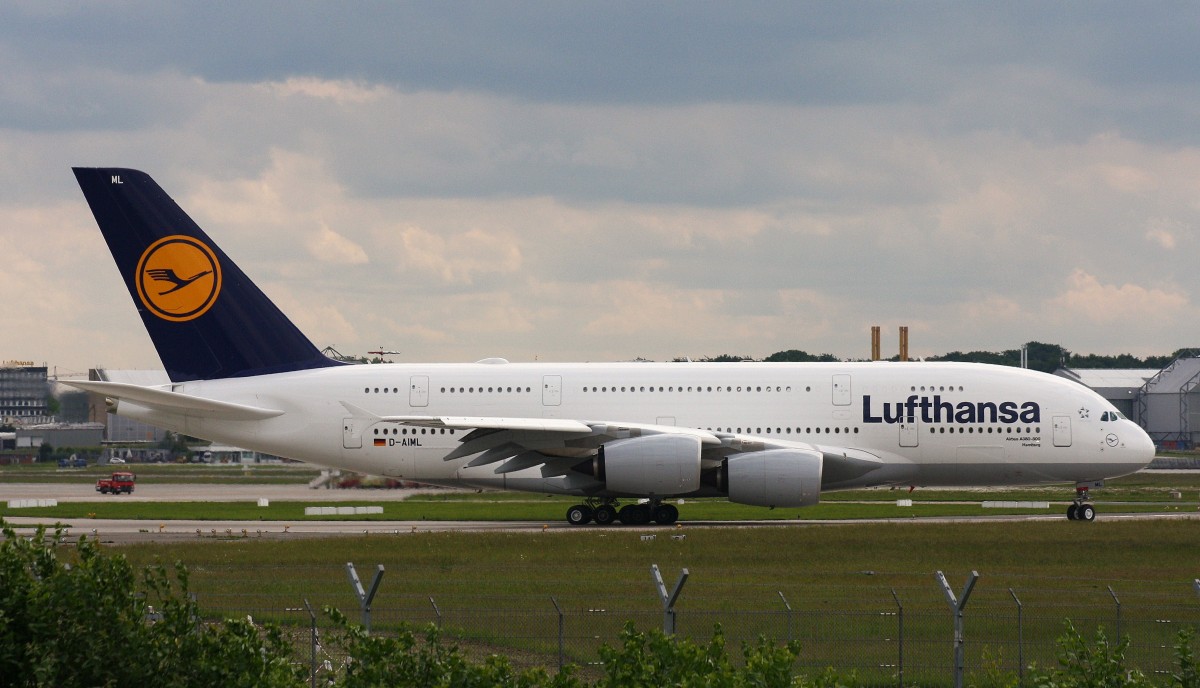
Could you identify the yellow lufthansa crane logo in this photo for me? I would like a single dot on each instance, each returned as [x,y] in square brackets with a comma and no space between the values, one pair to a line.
[178,278]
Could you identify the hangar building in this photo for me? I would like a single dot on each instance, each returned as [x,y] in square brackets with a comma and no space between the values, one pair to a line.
[1166,403]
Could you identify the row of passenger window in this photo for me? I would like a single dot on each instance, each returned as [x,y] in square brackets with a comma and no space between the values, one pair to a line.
[489,390]
[941,430]
[614,388]
[787,431]
[652,388]
[453,390]
[405,431]
[937,388]
[999,431]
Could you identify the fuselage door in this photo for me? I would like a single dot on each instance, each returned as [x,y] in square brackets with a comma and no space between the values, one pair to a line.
[910,432]
[551,390]
[418,390]
[352,433]
[841,389]
[1062,431]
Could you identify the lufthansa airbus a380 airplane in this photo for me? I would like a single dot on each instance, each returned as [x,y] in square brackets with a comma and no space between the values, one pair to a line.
[768,434]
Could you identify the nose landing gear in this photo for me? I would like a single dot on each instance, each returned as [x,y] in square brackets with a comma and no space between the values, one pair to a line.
[1081,509]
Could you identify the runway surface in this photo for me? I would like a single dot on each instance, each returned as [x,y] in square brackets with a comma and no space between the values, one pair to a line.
[125,531]
[200,492]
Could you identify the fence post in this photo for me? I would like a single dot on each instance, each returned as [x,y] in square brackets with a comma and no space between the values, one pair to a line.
[899,639]
[560,632]
[1020,639]
[1118,603]
[787,607]
[436,612]
[312,654]
[364,597]
[312,632]
[668,600]
[957,605]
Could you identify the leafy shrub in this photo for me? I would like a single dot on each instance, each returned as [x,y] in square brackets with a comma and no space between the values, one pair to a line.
[88,623]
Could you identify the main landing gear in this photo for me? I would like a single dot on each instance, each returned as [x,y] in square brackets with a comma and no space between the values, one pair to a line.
[1081,509]
[604,512]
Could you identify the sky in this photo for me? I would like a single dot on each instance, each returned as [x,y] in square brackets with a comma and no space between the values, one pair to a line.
[599,181]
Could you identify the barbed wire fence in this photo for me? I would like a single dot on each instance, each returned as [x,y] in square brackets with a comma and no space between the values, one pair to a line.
[880,634]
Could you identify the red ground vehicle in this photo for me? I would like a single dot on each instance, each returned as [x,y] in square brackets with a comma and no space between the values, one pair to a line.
[121,481]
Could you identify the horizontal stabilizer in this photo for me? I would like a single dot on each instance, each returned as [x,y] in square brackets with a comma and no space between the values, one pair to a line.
[175,402]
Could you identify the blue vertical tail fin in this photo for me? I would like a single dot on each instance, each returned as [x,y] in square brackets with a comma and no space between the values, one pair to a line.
[206,318]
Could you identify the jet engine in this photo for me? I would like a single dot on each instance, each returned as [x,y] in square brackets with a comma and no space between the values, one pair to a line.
[650,465]
[775,477]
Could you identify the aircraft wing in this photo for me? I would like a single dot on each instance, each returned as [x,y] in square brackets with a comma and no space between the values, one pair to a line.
[515,444]
[158,399]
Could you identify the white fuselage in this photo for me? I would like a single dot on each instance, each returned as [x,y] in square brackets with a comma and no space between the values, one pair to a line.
[928,423]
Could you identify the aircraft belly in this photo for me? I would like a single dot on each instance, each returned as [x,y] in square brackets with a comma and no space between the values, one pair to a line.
[1023,462]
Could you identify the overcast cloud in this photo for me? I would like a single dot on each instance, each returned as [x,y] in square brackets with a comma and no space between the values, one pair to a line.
[602,181]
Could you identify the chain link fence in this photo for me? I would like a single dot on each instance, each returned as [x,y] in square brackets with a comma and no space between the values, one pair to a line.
[880,634]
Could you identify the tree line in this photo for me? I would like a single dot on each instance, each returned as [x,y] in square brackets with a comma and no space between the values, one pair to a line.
[1041,356]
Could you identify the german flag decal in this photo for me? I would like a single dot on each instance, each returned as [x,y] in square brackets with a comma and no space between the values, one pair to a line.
[380,442]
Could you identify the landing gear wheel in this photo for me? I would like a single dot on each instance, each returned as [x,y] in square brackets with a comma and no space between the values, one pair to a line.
[634,515]
[665,514]
[1085,512]
[1071,512]
[604,515]
[580,515]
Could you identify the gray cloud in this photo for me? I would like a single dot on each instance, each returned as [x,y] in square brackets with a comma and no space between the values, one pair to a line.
[598,181]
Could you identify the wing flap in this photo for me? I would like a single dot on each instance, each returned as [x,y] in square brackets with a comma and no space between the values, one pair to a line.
[521,462]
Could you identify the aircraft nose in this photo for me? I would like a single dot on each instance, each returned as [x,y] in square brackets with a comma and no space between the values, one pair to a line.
[1142,446]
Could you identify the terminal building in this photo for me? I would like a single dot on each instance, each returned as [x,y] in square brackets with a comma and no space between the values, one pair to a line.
[24,394]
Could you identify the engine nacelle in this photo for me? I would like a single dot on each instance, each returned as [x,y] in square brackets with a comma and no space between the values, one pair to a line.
[651,465]
[776,477]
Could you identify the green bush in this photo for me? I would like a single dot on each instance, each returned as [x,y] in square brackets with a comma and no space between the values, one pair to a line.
[379,660]
[96,622]
[1098,664]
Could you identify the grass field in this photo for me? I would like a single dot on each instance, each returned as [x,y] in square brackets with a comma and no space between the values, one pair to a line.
[496,592]
[470,507]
